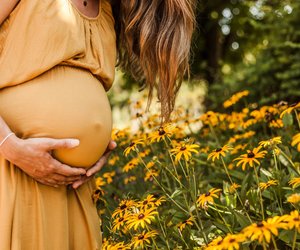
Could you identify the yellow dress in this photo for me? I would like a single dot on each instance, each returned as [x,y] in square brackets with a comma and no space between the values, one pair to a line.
[56,65]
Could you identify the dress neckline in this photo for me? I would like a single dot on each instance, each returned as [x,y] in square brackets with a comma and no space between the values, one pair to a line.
[85,16]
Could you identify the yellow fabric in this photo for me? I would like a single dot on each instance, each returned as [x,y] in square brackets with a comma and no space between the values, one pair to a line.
[55,66]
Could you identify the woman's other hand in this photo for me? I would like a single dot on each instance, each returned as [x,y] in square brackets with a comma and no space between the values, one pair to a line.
[34,157]
[97,167]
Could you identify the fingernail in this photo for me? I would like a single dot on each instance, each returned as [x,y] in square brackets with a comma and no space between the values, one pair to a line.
[114,144]
[74,142]
[88,174]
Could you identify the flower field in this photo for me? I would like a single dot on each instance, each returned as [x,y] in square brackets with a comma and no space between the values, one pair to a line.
[225,179]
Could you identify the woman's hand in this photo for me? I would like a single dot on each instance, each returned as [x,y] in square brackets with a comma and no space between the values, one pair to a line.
[97,167]
[34,157]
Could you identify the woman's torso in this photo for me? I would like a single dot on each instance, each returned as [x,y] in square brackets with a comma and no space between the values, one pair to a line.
[52,84]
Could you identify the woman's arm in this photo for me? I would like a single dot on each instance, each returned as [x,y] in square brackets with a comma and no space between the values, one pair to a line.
[33,156]
[6,8]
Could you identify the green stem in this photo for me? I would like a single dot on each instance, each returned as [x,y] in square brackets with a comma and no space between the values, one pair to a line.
[223,219]
[164,233]
[274,243]
[157,182]
[239,198]
[294,240]
[297,118]
[290,161]
[261,201]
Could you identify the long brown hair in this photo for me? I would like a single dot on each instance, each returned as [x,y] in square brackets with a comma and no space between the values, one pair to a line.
[154,40]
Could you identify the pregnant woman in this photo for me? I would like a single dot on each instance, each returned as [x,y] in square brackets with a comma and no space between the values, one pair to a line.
[57,60]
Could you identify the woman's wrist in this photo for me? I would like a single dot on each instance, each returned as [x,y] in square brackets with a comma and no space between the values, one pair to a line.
[8,149]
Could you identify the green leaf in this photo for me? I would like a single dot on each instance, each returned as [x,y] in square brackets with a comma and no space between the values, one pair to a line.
[287,120]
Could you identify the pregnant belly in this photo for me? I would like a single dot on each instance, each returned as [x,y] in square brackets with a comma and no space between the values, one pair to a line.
[64,102]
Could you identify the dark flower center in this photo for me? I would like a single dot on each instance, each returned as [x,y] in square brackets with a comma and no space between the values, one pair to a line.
[161,131]
[121,219]
[141,216]
[232,240]
[123,207]
[132,144]
[145,202]
[207,194]
[296,219]
[251,155]
[141,237]
[218,149]
[183,148]
[259,224]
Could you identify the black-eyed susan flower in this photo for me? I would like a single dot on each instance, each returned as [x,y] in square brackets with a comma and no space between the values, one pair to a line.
[150,174]
[119,222]
[133,146]
[235,98]
[131,165]
[264,185]
[262,231]
[184,150]
[232,241]
[167,130]
[290,109]
[215,244]
[294,198]
[292,220]
[190,221]
[124,207]
[142,239]
[251,157]
[129,179]
[210,117]
[116,246]
[219,152]
[97,194]
[100,182]
[233,188]
[295,182]
[208,198]
[112,160]
[271,142]
[296,141]
[109,176]
[141,218]
[147,202]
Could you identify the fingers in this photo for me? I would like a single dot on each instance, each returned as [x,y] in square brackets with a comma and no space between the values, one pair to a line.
[78,183]
[99,164]
[66,170]
[51,143]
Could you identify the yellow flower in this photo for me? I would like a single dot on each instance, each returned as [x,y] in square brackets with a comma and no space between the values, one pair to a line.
[295,182]
[100,182]
[131,165]
[183,224]
[147,202]
[204,199]
[262,231]
[113,160]
[296,140]
[141,218]
[116,246]
[143,238]
[108,176]
[184,150]
[124,207]
[232,241]
[292,220]
[98,193]
[271,142]
[251,157]
[278,123]
[294,198]
[235,98]
[119,222]
[133,146]
[210,117]
[290,109]
[233,188]
[167,130]
[129,179]
[264,185]
[215,244]
[149,174]
[219,152]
